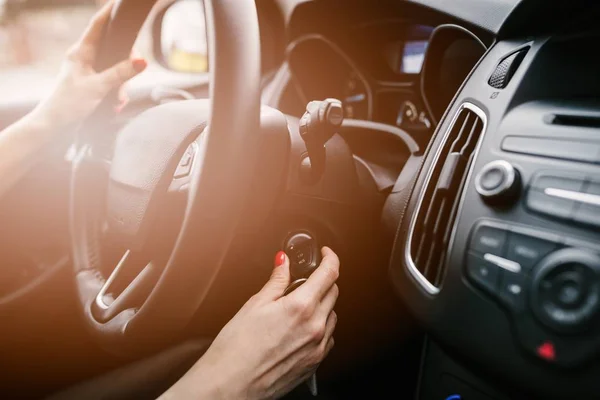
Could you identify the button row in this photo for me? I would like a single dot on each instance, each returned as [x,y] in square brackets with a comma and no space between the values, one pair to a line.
[508,286]
[513,244]
[572,198]
[501,259]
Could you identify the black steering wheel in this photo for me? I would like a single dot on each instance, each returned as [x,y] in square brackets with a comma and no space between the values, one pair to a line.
[119,185]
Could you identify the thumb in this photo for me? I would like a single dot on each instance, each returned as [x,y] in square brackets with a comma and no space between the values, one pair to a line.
[120,73]
[280,278]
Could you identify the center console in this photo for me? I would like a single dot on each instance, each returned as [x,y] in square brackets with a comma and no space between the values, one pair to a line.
[498,250]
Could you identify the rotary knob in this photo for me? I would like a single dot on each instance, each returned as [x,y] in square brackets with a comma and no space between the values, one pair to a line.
[566,290]
[498,183]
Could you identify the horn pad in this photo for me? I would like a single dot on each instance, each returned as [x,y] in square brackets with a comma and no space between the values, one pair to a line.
[146,154]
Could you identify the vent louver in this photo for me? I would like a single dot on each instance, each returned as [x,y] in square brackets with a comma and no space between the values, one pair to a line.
[438,206]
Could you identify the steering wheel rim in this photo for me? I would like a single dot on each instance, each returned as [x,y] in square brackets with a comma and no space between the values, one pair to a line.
[218,181]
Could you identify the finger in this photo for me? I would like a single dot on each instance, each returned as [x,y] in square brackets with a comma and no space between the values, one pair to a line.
[120,73]
[326,307]
[93,32]
[327,343]
[280,278]
[322,279]
[330,326]
[324,345]
[329,346]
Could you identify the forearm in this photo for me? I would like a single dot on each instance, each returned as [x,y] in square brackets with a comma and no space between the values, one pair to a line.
[193,388]
[205,380]
[20,145]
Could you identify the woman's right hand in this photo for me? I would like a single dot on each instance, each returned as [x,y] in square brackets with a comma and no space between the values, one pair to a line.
[273,343]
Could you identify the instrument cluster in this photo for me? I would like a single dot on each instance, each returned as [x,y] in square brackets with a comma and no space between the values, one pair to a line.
[375,72]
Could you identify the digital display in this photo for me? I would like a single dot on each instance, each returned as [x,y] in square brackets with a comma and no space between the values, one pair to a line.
[413,56]
[406,56]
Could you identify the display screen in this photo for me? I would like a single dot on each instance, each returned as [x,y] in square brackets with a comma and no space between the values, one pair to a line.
[413,55]
[406,56]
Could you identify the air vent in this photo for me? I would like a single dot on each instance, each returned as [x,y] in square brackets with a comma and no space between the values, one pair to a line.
[436,213]
[582,121]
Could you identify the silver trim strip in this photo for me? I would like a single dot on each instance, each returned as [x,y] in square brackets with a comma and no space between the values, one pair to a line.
[401,134]
[412,268]
[586,198]
[100,297]
[508,265]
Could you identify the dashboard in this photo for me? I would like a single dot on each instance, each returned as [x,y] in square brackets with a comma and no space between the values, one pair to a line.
[496,248]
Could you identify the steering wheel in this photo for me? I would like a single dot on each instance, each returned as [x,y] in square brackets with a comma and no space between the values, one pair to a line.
[120,182]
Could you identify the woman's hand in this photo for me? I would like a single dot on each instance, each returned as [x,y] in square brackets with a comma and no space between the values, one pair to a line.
[273,343]
[78,92]
[80,88]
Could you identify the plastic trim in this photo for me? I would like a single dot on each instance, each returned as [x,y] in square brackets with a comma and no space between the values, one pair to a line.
[423,76]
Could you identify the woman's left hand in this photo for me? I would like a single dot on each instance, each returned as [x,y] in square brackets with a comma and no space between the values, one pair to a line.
[80,88]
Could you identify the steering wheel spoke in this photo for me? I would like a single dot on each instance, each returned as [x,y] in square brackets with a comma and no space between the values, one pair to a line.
[126,287]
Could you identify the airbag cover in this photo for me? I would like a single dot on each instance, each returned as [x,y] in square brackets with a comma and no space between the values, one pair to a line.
[145,157]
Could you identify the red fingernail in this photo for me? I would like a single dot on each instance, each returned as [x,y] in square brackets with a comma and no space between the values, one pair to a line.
[139,64]
[279,259]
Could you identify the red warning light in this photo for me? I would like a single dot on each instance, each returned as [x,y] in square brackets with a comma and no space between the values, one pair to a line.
[547,351]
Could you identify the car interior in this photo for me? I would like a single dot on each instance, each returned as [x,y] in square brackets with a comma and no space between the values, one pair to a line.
[461,190]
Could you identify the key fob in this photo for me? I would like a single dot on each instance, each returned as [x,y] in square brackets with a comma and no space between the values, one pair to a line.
[304,254]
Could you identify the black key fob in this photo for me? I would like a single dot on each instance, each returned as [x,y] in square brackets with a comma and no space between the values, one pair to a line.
[305,256]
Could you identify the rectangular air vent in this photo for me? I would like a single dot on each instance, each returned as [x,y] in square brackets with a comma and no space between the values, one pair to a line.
[438,205]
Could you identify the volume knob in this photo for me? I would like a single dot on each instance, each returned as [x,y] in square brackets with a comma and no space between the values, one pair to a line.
[498,183]
[566,290]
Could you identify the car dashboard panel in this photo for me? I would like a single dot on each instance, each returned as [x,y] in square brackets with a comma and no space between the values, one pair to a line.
[498,250]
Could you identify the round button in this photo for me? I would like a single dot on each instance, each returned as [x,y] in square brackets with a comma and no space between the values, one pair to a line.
[498,183]
[492,179]
[570,290]
[570,294]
